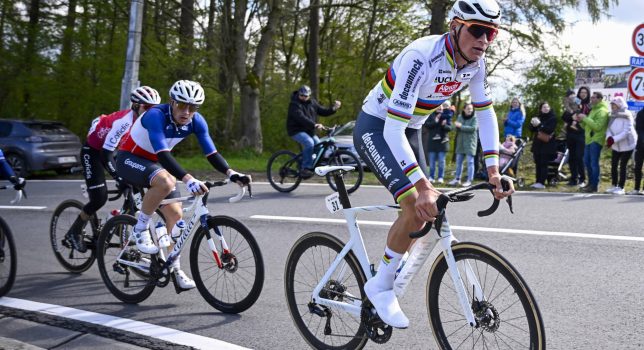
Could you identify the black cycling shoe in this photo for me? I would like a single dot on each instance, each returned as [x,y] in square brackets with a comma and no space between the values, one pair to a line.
[75,235]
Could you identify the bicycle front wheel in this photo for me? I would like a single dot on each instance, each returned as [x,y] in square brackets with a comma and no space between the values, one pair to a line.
[308,261]
[352,179]
[8,259]
[507,318]
[237,284]
[283,171]
[124,269]
[63,218]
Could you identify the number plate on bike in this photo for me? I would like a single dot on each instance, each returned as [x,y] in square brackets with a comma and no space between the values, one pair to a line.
[333,202]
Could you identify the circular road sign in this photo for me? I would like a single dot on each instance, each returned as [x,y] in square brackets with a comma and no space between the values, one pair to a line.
[638,39]
[636,84]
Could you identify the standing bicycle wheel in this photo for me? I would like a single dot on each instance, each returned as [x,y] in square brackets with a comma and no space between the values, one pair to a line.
[236,285]
[71,259]
[8,259]
[509,318]
[309,259]
[352,179]
[283,171]
[124,269]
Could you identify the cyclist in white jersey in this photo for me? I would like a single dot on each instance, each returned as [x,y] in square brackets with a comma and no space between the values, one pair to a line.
[425,74]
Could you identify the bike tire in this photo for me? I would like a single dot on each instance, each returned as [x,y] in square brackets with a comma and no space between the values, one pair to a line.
[352,179]
[496,276]
[129,287]
[62,219]
[322,248]
[8,259]
[283,167]
[247,281]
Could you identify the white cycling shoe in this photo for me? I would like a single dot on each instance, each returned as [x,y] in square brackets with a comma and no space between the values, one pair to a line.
[183,280]
[386,305]
[144,242]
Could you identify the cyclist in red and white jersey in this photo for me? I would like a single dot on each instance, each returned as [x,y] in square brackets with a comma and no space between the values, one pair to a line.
[425,74]
[97,155]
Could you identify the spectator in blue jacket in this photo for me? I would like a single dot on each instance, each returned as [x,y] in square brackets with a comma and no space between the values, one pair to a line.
[513,121]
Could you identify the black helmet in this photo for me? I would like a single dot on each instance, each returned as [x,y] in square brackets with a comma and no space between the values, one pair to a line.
[304,90]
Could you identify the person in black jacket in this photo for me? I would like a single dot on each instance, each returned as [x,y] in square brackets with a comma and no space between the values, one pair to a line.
[575,134]
[639,152]
[301,123]
[543,152]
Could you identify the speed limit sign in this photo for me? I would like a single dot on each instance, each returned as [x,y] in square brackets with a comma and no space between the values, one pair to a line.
[638,39]
[636,84]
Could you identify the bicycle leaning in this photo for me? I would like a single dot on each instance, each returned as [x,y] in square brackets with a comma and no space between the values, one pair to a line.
[284,167]
[475,297]
[225,260]
[8,254]
[65,214]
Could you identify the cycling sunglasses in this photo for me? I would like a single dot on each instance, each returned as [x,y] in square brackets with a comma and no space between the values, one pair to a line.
[477,29]
[183,105]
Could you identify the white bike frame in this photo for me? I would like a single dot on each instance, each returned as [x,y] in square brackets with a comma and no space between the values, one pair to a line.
[423,247]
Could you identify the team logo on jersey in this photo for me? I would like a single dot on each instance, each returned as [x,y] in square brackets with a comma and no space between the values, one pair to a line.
[448,88]
[381,99]
[402,104]
[437,57]
[184,128]
[102,132]
[441,80]
[410,78]
[466,75]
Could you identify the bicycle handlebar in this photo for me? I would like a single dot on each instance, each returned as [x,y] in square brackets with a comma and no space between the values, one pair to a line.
[462,195]
[240,192]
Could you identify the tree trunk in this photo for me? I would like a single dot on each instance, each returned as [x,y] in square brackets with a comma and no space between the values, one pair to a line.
[314,43]
[439,15]
[30,52]
[366,54]
[186,39]
[249,78]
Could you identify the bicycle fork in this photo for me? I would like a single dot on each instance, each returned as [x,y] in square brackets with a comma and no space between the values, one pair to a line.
[446,241]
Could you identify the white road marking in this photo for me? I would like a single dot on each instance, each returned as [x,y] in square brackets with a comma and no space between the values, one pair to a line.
[21,207]
[462,228]
[147,329]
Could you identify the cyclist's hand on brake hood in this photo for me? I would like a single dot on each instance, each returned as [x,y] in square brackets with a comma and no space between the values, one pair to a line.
[495,179]
[239,178]
[426,208]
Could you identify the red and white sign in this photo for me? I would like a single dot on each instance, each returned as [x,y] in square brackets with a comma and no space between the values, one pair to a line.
[636,84]
[638,39]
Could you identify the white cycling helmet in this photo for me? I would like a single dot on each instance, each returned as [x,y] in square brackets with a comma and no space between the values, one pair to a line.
[487,11]
[145,95]
[187,91]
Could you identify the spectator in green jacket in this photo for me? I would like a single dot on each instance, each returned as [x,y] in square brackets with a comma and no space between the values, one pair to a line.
[595,124]
[466,140]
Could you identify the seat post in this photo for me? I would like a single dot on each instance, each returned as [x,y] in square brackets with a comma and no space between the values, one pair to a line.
[342,190]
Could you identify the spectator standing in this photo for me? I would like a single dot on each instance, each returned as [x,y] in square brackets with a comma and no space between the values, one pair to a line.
[466,140]
[513,121]
[301,123]
[621,138]
[543,146]
[575,133]
[639,153]
[438,126]
[594,124]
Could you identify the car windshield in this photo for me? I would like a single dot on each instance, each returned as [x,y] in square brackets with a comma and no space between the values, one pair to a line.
[47,128]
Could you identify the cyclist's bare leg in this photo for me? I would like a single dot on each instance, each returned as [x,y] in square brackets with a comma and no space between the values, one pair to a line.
[172,213]
[398,238]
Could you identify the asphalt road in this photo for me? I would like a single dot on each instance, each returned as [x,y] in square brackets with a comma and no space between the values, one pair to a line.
[589,288]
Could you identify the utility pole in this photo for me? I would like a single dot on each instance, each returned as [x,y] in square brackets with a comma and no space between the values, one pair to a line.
[131,75]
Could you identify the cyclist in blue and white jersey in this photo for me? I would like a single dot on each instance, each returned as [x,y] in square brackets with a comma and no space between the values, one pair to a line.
[425,74]
[7,173]
[144,160]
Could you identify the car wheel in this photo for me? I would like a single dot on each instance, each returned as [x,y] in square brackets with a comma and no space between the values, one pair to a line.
[18,164]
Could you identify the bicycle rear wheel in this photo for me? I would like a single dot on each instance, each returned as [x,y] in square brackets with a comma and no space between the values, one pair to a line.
[509,318]
[71,259]
[352,179]
[308,261]
[237,285]
[283,171]
[129,284]
[8,259]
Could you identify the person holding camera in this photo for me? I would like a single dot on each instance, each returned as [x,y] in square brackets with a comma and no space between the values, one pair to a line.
[621,138]
[543,146]
[594,124]
[575,138]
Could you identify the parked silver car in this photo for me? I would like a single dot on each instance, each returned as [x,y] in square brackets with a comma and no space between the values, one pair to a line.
[32,145]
